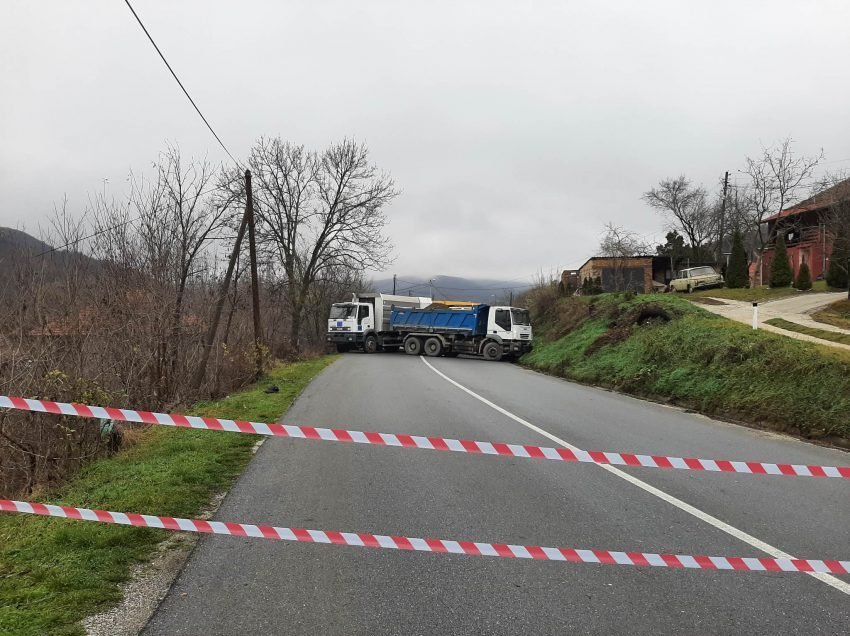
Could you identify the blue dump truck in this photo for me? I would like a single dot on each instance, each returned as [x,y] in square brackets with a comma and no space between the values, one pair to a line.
[444,330]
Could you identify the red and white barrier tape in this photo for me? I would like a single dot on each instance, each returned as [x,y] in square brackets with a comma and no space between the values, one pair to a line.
[472,548]
[428,443]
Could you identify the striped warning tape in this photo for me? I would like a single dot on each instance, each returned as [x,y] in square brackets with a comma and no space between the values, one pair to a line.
[472,548]
[428,443]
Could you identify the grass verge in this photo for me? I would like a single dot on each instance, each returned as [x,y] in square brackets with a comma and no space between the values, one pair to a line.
[54,572]
[762,293]
[823,334]
[837,314]
[666,348]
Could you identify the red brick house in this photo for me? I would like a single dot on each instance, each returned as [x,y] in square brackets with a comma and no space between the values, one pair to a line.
[806,231]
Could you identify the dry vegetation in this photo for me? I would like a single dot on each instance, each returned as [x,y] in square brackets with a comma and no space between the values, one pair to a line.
[119,316]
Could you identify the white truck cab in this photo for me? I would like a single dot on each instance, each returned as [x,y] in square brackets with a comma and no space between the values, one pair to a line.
[512,324]
[363,322]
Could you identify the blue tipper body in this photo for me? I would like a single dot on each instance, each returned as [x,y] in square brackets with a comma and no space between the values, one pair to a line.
[471,321]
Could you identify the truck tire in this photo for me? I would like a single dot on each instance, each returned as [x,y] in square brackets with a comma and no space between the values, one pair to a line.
[370,344]
[413,346]
[492,351]
[433,347]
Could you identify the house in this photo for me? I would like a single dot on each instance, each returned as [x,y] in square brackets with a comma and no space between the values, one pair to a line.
[642,274]
[805,227]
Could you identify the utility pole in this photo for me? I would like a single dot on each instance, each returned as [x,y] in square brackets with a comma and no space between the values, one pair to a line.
[722,220]
[255,285]
[201,369]
[394,284]
[511,301]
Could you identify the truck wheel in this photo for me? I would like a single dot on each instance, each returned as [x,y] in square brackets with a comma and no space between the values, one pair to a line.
[370,345]
[492,351]
[690,289]
[433,347]
[413,346]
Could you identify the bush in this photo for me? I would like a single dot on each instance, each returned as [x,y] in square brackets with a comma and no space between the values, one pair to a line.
[780,271]
[804,277]
[839,260]
[737,274]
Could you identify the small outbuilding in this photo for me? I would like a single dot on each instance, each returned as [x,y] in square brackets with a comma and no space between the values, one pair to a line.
[640,274]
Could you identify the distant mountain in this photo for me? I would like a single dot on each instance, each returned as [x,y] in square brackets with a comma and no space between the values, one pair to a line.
[481,290]
[17,242]
[16,245]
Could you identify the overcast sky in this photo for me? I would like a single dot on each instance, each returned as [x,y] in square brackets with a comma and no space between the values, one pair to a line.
[515,130]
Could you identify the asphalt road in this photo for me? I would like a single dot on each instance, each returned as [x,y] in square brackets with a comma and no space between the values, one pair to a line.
[242,586]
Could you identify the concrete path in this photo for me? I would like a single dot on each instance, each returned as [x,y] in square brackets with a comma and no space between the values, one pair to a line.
[235,585]
[796,309]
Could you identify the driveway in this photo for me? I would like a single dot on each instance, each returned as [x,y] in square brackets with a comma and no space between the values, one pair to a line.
[796,309]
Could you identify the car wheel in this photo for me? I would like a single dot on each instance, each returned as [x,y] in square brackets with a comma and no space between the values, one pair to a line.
[492,351]
[413,346]
[690,289]
[433,347]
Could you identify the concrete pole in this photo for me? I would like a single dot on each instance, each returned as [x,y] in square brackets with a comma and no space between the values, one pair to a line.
[755,316]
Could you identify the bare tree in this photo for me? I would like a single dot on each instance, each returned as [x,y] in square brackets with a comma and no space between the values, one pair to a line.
[319,212]
[687,209]
[620,242]
[777,180]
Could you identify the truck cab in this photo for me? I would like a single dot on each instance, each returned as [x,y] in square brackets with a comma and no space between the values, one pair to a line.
[510,327]
[364,323]
[347,323]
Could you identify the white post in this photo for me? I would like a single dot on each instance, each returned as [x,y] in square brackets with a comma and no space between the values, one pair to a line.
[755,316]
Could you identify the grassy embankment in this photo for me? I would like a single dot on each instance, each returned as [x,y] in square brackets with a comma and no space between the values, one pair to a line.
[54,572]
[836,314]
[665,348]
[823,334]
[758,294]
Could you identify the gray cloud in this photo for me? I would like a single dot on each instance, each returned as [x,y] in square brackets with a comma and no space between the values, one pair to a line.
[514,130]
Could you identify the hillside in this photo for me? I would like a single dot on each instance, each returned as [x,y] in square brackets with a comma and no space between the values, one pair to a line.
[665,348]
[15,246]
[453,287]
[15,243]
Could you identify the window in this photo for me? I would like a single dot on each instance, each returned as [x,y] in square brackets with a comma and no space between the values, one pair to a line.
[341,312]
[362,312]
[520,317]
[503,319]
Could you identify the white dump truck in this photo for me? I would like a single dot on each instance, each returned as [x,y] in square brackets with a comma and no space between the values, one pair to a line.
[364,323]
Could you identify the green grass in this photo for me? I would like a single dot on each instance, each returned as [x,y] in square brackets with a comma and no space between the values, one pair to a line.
[836,314]
[823,334]
[54,572]
[758,294]
[698,360]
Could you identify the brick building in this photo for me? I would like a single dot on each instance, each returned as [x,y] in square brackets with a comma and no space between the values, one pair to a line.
[642,274]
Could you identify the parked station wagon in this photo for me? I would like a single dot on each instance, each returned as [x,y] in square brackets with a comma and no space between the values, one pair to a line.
[687,280]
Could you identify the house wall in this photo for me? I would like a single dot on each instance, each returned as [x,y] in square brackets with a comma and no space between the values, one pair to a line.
[610,269]
[811,251]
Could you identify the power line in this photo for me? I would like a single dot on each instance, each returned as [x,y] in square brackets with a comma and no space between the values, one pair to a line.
[177,79]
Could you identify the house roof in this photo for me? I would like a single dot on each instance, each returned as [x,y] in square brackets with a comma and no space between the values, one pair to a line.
[824,198]
[612,258]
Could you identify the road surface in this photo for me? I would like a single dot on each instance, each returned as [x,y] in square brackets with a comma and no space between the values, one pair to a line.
[242,586]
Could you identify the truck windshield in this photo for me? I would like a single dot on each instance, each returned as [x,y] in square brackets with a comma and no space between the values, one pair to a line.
[340,312]
[520,317]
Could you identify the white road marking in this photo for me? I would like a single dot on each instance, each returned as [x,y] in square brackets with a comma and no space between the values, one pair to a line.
[830,580]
